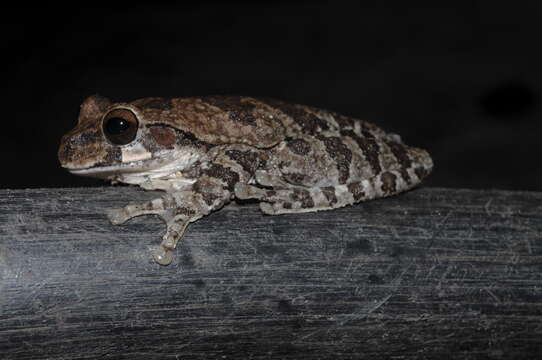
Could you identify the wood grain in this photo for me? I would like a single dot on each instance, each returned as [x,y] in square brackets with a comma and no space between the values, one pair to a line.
[433,273]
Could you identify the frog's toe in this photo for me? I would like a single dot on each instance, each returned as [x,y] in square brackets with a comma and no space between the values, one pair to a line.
[117,216]
[268,208]
[162,255]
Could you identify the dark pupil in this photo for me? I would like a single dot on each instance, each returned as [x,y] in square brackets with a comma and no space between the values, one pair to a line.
[116,126]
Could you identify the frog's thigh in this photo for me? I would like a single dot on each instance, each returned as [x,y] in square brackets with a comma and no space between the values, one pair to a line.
[312,167]
[296,199]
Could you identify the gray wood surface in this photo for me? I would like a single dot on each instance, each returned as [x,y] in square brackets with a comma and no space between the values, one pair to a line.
[433,273]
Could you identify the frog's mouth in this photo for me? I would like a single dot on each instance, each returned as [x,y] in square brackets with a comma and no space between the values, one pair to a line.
[136,172]
[112,170]
[127,173]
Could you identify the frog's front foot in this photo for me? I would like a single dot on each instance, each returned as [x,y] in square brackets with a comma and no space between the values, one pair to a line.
[177,210]
[176,225]
[162,255]
[154,207]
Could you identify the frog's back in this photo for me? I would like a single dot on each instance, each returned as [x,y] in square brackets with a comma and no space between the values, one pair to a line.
[310,121]
[307,146]
[259,122]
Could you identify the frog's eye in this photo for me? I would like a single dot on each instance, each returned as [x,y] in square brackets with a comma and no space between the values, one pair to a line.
[120,126]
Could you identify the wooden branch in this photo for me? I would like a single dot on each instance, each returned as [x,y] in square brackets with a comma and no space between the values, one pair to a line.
[433,273]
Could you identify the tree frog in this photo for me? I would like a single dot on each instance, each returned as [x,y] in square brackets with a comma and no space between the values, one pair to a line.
[203,152]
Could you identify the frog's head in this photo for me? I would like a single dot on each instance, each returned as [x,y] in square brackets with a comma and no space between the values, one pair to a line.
[120,141]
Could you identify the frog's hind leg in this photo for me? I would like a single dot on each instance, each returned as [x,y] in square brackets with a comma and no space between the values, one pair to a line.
[294,199]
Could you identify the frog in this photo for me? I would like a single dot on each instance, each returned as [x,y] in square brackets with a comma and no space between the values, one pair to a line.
[204,152]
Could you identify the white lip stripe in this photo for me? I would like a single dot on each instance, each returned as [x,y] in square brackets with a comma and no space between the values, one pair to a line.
[136,152]
[176,161]
[129,156]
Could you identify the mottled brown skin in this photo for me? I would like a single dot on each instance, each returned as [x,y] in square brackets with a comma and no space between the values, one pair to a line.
[205,151]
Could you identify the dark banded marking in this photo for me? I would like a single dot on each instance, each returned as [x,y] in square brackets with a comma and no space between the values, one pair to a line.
[227,175]
[401,154]
[339,152]
[405,175]
[389,183]
[307,121]
[303,196]
[356,189]
[329,193]
[369,148]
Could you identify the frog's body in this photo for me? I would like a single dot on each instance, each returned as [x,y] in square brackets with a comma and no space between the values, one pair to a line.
[204,152]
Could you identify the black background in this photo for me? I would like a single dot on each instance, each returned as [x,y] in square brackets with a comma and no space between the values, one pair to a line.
[461,79]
